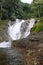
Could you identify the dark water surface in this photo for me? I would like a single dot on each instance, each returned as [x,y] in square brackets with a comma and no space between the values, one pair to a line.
[11,56]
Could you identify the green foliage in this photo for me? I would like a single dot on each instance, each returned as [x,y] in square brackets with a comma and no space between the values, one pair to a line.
[3,22]
[37,8]
[13,17]
[39,26]
[38,1]
[11,9]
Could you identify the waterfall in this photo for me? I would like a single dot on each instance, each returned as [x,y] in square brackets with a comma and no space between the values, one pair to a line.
[14,30]
[20,29]
[5,44]
[31,24]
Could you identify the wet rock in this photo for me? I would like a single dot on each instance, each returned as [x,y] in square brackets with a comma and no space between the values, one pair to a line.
[34,57]
[33,48]
[3,33]
[3,56]
[33,40]
[11,56]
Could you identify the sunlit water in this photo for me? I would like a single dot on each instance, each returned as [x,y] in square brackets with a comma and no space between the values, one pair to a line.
[16,31]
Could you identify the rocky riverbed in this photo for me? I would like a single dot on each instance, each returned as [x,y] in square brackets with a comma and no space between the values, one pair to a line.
[33,48]
[27,51]
[12,56]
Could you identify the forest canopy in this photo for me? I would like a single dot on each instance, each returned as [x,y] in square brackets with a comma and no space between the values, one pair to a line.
[12,9]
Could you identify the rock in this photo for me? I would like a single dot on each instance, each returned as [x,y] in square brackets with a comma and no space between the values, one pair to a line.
[3,33]
[33,46]
[12,56]
[32,40]
[28,51]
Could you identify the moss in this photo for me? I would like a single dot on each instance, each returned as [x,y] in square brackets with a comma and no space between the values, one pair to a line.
[39,26]
[3,22]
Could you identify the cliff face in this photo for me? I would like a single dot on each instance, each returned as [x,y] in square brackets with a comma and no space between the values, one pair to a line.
[33,48]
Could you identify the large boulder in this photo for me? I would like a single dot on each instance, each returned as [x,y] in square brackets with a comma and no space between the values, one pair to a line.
[34,39]
[33,46]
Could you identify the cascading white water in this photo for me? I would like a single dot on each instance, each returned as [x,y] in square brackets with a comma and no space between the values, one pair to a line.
[31,24]
[17,31]
[5,44]
[14,30]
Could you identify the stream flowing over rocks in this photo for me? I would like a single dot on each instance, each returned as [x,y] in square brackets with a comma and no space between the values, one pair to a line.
[21,47]
[19,30]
